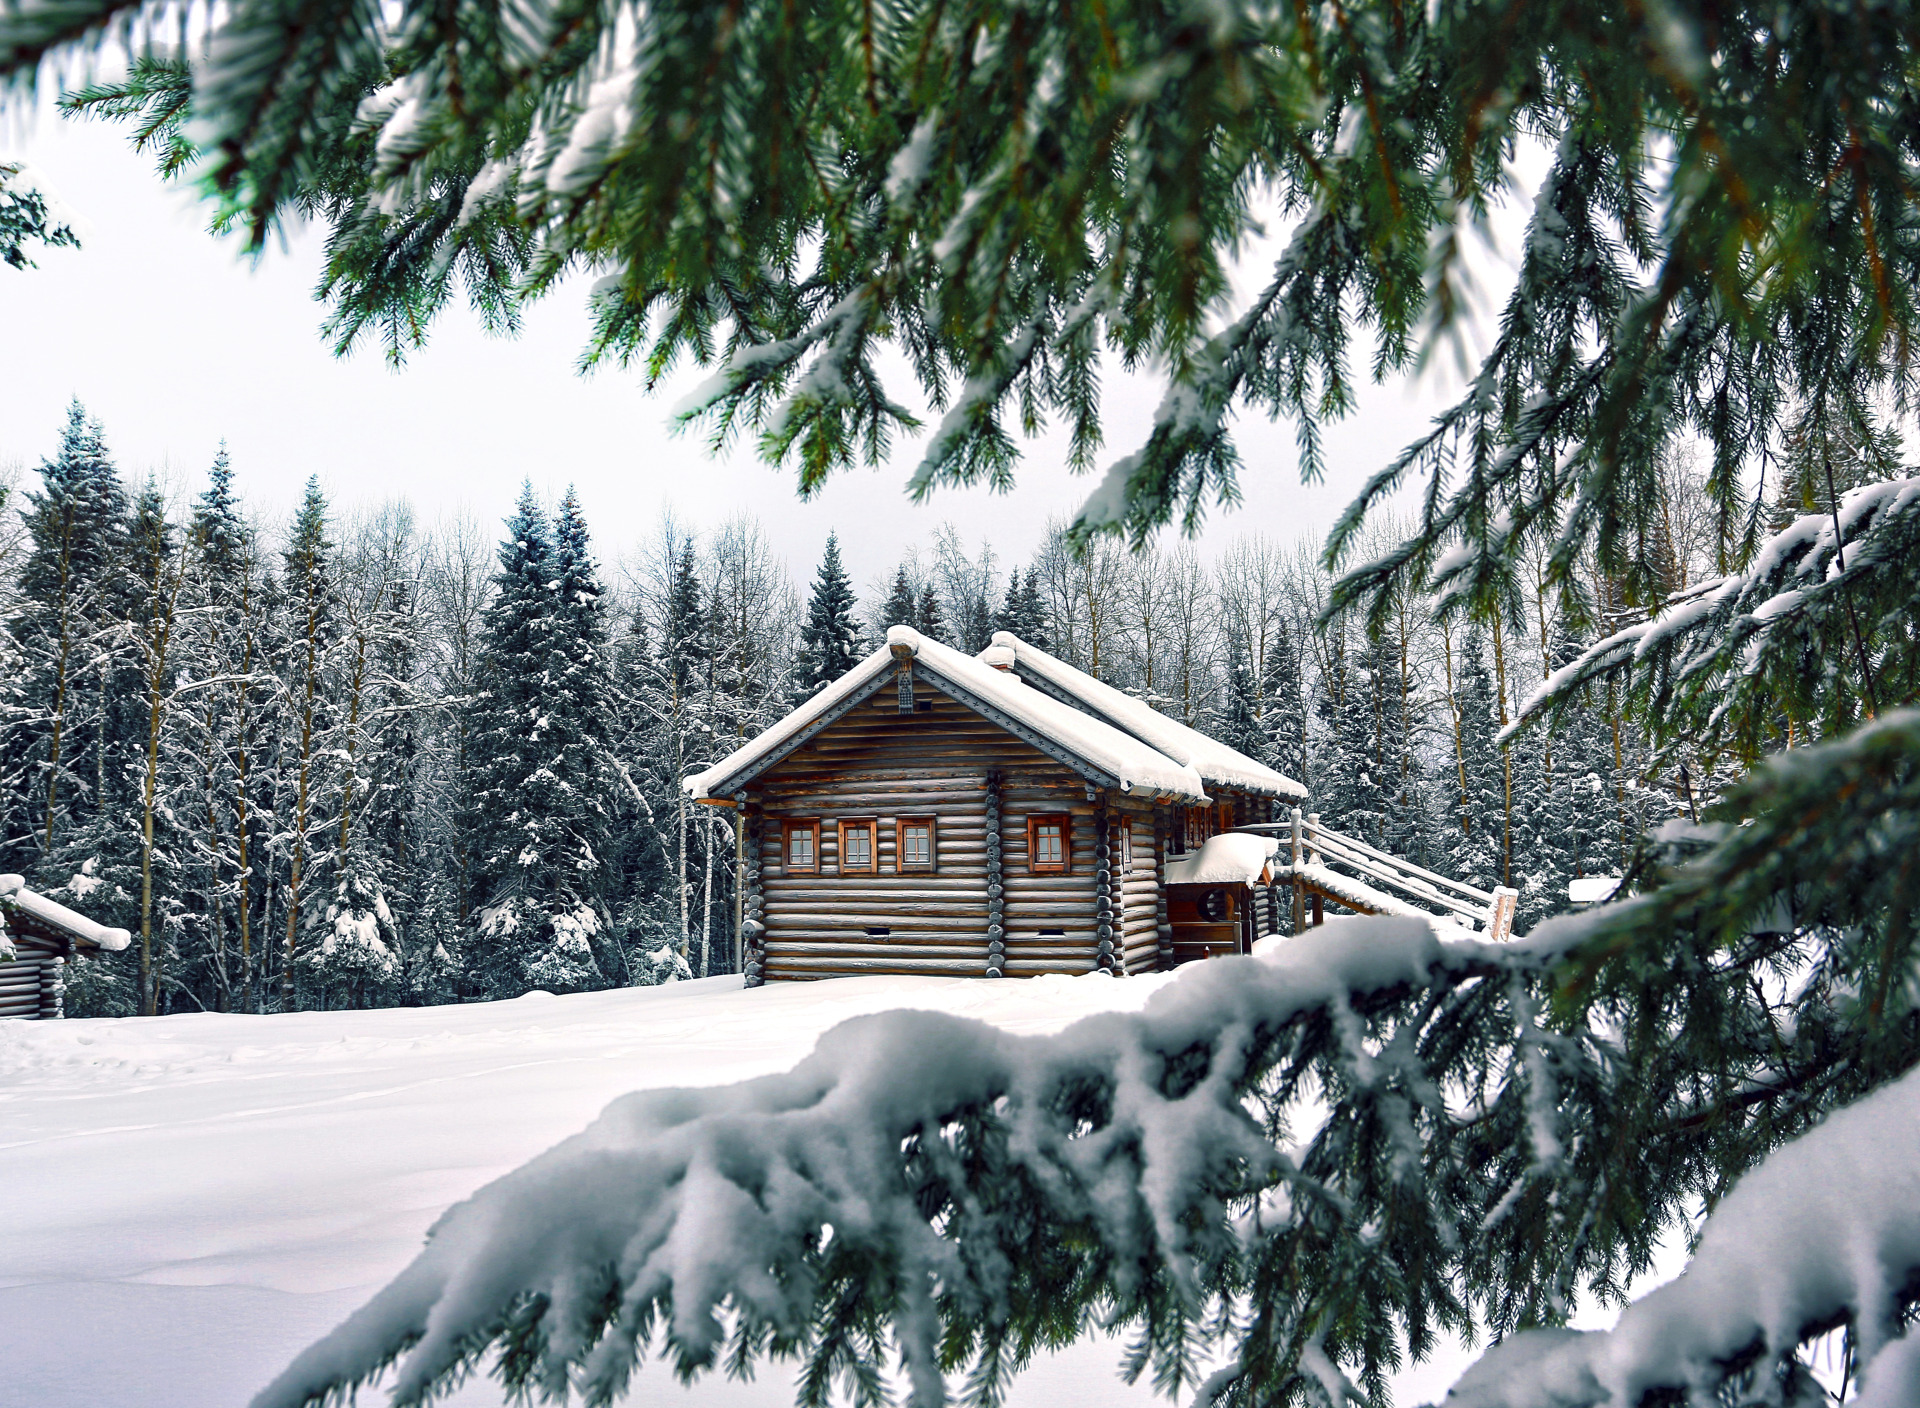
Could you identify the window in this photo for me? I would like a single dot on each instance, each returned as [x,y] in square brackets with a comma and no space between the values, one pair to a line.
[913,843]
[857,847]
[1126,845]
[1049,844]
[803,847]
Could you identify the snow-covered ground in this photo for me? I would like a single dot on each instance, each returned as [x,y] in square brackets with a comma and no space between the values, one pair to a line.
[192,1200]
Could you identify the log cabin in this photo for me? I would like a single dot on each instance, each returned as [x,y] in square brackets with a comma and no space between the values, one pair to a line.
[999,815]
[43,937]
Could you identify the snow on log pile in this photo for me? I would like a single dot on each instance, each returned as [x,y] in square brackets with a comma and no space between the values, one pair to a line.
[1827,1228]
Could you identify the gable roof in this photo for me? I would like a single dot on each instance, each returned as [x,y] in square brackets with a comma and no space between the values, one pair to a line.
[1213,760]
[55,920]
[1103,754]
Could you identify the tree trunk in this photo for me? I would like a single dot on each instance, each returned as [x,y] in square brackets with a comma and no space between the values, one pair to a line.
[1506,755]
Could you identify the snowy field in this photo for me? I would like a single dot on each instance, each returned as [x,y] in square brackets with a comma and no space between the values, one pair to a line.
[194,1199]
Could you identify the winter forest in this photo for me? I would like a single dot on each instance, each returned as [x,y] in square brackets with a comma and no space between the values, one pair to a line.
[352,760]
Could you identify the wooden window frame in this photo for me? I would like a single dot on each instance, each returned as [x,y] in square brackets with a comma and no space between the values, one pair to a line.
[1126,845]
[872,867]
[787,829]
[1035,865]
[932,862]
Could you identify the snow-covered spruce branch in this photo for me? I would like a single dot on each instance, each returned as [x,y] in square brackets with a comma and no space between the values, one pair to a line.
[970,1194]
[1719,661]
[1825,1233]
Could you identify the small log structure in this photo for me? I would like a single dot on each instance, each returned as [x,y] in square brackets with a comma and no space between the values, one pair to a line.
[43,937]
[996,816]
[1008,815]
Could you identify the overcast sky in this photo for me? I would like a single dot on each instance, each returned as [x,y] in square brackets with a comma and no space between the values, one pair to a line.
[175,342]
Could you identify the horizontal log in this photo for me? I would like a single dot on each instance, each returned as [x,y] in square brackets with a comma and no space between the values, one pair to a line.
[969,953]
[1037,967]
[796,940]
[888,964]
[922,920]
[932,884]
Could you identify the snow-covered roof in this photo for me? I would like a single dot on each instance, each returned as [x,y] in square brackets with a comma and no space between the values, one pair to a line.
[79,928]
[1120,754]
[1592,889]
[1212,759]
[1231,858]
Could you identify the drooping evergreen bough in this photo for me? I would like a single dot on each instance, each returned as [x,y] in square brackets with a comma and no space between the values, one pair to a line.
[30,217]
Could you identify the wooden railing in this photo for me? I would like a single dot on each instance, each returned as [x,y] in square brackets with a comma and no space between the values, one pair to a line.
[1322,863]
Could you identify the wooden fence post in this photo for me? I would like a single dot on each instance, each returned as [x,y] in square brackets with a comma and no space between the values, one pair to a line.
[1500,913]
[1299,886]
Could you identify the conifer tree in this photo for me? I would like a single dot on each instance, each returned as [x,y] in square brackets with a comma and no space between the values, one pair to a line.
[830,636]
[1283,698]
[362,948]
[1475,849]
[541,796]
[308,632]
[1025,612]
[1237,723]
[159,564]
[76,524]
[230,721]
[927,616]
[902,607]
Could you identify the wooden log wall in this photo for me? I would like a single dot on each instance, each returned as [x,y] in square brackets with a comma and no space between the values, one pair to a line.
[30,986]
[753,897]
[996,881]
[1137,892]
[1163,927]
[979,783]
[1104,927]
[1051,920]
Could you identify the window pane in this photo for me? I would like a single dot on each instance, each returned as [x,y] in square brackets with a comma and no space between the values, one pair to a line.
[859,848]
[1047,849]
[800,846]
[917,844]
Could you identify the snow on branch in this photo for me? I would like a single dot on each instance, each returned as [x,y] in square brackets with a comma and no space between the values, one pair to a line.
[1825,1231]
[972,1193]
[1754,631]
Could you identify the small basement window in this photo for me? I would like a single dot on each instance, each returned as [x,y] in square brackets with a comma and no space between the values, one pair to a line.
[875,931]
[857,847]
[1053,933]
[1050,844]
[914,843]
[802,848]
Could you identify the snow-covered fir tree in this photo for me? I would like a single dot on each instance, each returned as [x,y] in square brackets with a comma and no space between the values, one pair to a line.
[830,635]
[1284,709]
[1024,611]
[542,729]
[1237,721]
[928,618]
[902,604]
